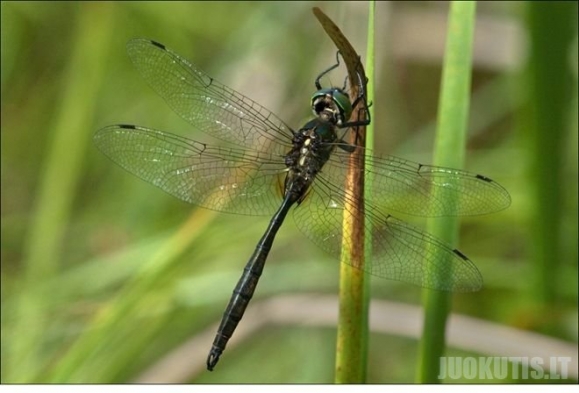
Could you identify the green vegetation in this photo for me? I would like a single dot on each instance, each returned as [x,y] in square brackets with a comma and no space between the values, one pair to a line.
[103,275]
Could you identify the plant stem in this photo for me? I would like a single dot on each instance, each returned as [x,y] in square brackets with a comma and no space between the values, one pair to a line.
[449,152]
[352,334]
[549,80]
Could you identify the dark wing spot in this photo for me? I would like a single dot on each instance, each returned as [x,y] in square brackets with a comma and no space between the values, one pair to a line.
[484,178]
[158,45]
[460,254]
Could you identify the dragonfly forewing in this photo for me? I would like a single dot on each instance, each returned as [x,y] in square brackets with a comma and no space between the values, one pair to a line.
[408,187]
[226,179]
[207,104]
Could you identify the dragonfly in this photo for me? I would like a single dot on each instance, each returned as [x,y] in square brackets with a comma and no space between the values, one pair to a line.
[269,168]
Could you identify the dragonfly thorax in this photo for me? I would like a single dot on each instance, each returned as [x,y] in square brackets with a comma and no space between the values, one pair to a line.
[332,105]
[312,146]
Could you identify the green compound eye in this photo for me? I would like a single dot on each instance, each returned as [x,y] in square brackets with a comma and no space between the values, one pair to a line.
[343,102]
[338,97]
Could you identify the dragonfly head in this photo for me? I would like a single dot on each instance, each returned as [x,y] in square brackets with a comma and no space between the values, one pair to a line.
[333,105]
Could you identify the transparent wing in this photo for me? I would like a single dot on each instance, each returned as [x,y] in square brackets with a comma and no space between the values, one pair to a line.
[224,179]
[207,104]
[399,251]
[404,186]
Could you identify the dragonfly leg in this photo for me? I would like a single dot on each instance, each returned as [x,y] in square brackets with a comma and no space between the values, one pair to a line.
[318,84]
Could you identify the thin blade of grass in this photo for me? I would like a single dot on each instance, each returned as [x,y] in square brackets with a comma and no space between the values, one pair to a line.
[449,151]
[115,321]
[552,27]
[57,188]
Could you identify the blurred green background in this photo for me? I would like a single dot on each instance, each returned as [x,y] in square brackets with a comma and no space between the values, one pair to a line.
[106,278]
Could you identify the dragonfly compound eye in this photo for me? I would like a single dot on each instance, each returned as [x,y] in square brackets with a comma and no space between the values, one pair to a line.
[332,104]
[342,101]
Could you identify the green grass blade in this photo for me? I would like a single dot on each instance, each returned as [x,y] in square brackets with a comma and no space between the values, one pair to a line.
[114,325]
[58,183]
[552,27]
[449,151]
[370,58]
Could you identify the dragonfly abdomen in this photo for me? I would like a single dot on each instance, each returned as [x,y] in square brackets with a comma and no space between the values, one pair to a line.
[245,287]
[312,146]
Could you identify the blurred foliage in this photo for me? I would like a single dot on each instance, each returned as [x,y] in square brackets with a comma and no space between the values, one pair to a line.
[102,275]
